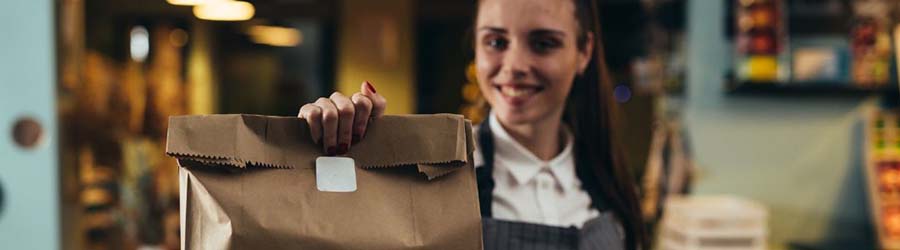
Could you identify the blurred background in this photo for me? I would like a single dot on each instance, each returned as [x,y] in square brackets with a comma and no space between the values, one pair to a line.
[783,111]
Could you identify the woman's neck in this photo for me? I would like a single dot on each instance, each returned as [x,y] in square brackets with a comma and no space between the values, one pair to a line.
[543,138]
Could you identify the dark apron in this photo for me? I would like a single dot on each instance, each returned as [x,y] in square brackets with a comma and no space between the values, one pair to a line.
[602,232]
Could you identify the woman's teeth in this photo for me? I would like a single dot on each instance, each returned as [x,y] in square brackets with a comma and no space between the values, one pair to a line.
[517,92]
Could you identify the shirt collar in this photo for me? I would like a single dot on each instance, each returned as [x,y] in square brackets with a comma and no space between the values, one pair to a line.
[525,165]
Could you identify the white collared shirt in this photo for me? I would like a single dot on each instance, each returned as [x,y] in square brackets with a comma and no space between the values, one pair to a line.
[532,190]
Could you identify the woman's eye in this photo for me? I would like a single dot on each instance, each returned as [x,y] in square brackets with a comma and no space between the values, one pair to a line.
[497,43]
[545,45]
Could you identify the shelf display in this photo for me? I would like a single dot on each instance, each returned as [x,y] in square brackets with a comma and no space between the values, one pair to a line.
[761,40]
[870,43]
[838,46]
[124,191]
[882,146]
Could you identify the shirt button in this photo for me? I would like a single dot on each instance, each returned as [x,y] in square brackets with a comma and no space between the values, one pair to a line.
[545,184]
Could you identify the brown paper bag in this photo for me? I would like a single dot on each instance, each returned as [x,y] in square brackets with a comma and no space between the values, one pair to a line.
[249,182]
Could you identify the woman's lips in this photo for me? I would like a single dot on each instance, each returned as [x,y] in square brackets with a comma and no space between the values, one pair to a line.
[518,94]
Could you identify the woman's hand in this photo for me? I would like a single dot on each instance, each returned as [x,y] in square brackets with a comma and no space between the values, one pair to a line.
[338,121]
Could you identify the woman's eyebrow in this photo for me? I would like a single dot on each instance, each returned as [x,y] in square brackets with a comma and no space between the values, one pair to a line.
[542,32]
[493,29]
[535,32]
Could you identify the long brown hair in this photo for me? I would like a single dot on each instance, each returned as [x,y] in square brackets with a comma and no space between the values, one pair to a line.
[592,113]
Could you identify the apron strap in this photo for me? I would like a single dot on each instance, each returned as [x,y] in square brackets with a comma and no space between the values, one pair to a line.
[485,174]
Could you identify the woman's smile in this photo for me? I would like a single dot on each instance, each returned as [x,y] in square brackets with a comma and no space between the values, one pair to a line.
[518,94]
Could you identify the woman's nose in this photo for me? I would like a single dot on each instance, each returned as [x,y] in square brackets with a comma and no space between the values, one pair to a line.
[517,63]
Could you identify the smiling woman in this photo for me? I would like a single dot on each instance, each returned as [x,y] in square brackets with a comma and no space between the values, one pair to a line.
[542,70]
[549,157]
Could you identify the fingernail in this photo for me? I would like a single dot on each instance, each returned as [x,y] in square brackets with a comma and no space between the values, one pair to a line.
[331,151]
[370,87]
[342,149]
[355,138]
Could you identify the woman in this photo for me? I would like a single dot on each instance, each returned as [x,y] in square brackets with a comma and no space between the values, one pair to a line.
[547,159]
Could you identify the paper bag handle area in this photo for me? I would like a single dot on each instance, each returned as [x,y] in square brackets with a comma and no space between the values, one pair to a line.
[436,144]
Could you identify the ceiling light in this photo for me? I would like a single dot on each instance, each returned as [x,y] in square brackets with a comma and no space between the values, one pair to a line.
[224,11]
[275,36]
[139,44]
[189,2]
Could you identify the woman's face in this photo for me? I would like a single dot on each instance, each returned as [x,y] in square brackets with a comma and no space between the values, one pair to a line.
[527,56]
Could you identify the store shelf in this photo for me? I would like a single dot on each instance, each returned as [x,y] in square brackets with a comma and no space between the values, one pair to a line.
[834,244]
[818,88]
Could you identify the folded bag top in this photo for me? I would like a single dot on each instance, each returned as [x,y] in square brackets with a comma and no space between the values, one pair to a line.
[436,144]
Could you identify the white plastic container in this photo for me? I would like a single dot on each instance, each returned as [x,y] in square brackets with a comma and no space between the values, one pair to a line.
[713,223]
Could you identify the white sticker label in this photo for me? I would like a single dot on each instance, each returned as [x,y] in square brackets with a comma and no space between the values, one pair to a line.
[335,174]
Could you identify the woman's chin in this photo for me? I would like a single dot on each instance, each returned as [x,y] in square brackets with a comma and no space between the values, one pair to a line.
[514,117]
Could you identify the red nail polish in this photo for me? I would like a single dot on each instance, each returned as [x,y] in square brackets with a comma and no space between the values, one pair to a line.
[342,149]
[370,87]
[331,151]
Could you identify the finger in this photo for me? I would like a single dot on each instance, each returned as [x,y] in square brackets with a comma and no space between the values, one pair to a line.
[346,112]
[361,120]
[378,101]
[329,125]
[313,116]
